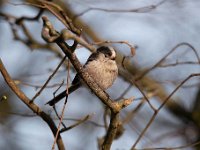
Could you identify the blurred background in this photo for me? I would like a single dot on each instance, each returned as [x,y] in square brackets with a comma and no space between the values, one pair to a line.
[155,27]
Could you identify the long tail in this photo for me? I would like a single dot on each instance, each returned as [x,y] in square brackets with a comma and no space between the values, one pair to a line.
[63,94]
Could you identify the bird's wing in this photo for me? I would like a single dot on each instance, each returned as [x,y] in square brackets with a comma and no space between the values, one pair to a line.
[92,57]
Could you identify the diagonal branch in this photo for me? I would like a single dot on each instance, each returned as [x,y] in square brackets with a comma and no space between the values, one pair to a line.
[161,106]
[58,39]
[112,130]
[32,106]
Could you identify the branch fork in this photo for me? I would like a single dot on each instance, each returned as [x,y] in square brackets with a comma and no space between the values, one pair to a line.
[49,34]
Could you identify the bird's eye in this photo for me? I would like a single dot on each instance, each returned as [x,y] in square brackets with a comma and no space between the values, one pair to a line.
[106,55]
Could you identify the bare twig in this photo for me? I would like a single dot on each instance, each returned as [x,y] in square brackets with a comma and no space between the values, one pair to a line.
[32,106]
[144,9]
[76,124]
[161,106]
[67,93]
[54,118]
[29,41]
[47,81]
[146,98]
[162,59]
[58,130]
[63,109]
[132,47]
[68,35]
[124,92]
[171,148]
[19,82]
[130,115]
[179,63]
[103,96]
[19,114]
[56,112]
[115,106]
[57,11]
[62,83]
[21,19]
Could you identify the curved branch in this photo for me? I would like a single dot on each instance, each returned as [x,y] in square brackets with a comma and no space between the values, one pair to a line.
[144,9]
[32,105]
[161,106]
[170,52]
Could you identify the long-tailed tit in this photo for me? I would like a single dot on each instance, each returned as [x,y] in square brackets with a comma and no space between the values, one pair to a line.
[101,66]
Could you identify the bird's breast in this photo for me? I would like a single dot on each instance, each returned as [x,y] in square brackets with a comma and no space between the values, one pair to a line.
[103,73]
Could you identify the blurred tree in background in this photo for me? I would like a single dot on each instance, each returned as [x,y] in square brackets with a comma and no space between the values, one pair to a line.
[161,73]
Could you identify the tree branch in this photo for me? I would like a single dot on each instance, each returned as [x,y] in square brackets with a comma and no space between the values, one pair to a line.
[112,130]
[32,106]
[49,33]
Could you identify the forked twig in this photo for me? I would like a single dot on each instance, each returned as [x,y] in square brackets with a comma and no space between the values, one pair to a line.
[161,106]
[162,59]
[144,9]
[76,124]
[32,106]
[48,80]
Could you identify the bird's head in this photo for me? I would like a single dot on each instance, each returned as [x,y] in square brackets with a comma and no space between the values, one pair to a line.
[109,52]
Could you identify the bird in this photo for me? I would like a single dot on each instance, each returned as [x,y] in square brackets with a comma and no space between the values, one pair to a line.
[101,66]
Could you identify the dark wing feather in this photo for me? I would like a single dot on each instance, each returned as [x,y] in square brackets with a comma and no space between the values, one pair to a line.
[92,57]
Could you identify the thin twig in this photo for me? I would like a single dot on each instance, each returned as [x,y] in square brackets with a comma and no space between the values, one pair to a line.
[21,19]
[179,63]
[48,80]
[61,84]
[146,98]
[63,109]
[144,9]
[171,148]
[124,92]
[58,129]
[32,106]
[54,118]
[18,82]
[162,59]
[161,106]
[132,47]
[76,124]
[56,112]
[131,114]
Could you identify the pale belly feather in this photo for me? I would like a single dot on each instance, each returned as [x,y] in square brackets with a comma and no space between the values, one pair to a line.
[103,74]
